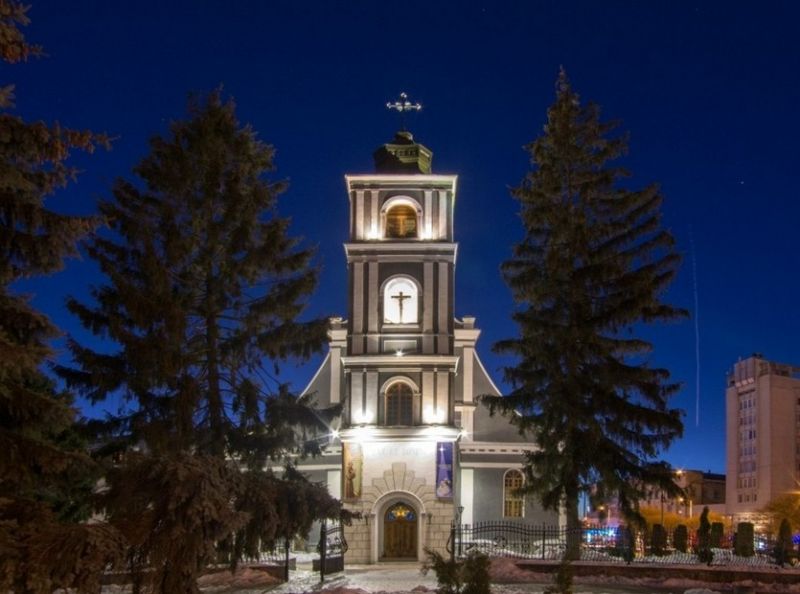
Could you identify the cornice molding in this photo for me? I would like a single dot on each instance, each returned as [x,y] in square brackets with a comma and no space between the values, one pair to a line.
[447,362]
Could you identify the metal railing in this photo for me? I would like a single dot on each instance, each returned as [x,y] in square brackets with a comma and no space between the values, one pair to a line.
[332,547]
[598,543]
[507,539]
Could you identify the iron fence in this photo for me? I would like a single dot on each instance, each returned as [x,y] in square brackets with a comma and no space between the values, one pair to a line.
[276,556]
[332,547]
[507,539]
[597,543]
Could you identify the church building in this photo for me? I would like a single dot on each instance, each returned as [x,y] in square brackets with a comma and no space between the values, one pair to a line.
[414,450]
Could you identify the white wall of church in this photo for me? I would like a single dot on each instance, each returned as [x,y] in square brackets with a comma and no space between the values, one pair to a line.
[393,472]
[467,494]
[334,483]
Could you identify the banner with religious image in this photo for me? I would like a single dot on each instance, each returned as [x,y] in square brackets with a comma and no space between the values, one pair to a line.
[444,470]
[352,469]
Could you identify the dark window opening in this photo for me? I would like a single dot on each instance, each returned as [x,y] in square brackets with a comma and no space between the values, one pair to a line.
[399,404]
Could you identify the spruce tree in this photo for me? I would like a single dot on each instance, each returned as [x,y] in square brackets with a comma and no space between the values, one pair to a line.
[38,458]
[204,291]
[592,267]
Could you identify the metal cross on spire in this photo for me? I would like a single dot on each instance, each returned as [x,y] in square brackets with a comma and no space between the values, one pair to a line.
[403,105]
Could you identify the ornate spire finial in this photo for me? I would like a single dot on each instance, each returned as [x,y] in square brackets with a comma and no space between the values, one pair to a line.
[403,105]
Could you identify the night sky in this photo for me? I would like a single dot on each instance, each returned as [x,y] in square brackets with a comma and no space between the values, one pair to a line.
[708,91]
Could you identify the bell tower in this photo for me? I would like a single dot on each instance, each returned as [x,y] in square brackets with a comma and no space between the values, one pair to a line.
[412,450]
[401,258]
[396,355]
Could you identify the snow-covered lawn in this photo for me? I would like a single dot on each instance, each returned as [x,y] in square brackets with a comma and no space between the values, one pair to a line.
[507,577]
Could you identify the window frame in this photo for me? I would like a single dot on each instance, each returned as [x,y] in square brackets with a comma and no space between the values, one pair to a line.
[401,201]
[510,499]
[396,383]
[415,300]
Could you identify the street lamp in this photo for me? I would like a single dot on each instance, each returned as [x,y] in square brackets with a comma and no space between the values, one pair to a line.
[690,494]
[688,501]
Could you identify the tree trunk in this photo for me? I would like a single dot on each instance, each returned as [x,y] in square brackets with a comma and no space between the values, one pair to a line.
[574,526]
[215,412]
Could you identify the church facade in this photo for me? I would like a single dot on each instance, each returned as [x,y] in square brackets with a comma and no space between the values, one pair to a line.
[414,450]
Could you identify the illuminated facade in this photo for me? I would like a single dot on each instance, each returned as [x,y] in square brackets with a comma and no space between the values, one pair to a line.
[701,489]
[763,435]
[414,449]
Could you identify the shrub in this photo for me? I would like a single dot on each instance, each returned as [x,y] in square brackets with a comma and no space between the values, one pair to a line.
[704,553]
[475,574]
[623,543]
[717,531]
[470,576]
[744,540]
[658,540]
[680,538]
[562,581]
[783,547]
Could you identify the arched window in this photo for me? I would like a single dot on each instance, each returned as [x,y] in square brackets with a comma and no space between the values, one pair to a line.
[400,301]
[401,221]
[513,502]
[400,404]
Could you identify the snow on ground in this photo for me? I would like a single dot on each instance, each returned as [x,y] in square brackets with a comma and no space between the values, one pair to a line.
[245,579]
[406,578]
[507,578]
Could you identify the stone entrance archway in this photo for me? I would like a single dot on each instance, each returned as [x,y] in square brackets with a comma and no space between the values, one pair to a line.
[400,525]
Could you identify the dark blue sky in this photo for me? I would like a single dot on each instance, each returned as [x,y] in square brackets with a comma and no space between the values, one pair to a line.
[707,90]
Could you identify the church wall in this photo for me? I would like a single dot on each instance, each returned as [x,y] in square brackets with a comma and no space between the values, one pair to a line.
[488,500]
[393,472]
[499,456]
[320,386]
[487,427]
[460,378]
[358,291]
[481,383]
[495,428]
[366,205]
[414,377]
[390,269]
[373,306]
[366,306]
[336,379]
[399,464]
[427,305]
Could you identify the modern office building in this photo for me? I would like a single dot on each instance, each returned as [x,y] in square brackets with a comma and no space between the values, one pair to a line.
[763,435]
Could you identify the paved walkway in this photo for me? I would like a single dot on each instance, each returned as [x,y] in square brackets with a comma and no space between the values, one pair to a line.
[388,577]
[406,577]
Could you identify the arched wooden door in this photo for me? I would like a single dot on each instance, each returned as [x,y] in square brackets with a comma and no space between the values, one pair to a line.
[400,532]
